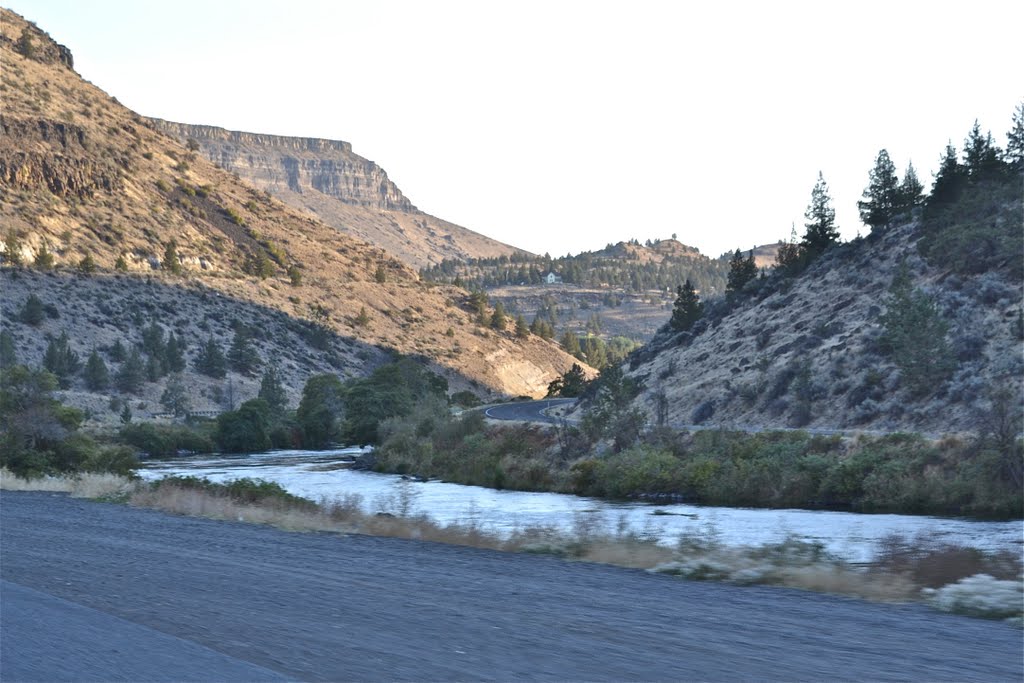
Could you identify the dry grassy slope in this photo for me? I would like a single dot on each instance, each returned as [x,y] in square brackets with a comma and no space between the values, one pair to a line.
[325,179]
[830,319]
[85,176]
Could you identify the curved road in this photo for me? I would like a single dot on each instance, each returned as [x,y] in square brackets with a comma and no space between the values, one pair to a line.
[528,411]
[95,591]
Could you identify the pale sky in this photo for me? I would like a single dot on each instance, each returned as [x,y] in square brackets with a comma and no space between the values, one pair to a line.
[562,126]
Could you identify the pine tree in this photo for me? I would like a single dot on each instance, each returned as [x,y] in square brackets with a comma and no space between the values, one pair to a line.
[242,356]
[174,354]
[911,193]
[950,180]
[61,360]
[121,265]
[153,340]
[881,198]
[96,375]
[498,318]
[981,156]
[175,397]
[294,275]
[210,361]
[741,271]
[380,276]
[687,309]
[8,358]
[571,344]
[132,373]
[363,319]
[1015,140]
[272,392]
[522,329]
[126,414]
[821,232]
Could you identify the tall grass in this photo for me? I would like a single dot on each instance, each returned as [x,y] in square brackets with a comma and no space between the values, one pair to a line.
[83,485]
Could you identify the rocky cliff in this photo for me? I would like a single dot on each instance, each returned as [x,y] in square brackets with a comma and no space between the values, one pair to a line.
[325,179]
[302,165]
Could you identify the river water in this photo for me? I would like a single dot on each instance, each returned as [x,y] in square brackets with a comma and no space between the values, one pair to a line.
[321,475]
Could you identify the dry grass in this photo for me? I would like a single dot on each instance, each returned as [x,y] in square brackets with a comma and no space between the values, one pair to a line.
[84,485]
[792,563]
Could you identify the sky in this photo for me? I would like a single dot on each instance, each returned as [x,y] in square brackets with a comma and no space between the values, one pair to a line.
[563,126]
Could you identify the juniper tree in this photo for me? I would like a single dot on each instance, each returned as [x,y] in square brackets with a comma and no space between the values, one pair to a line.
[174,354]
[522,329]
[8,358]
[950,179]
[32,312]
[61,360]
[132,373]
[821,232]
[272,392]
[117,352]
[741,271]
[12,248]
[44,259]
[96,375]
[171,263]
[87,266]
[881,199]
[571,344]
[981,156]
[175,397]
[498,318]
[687,308]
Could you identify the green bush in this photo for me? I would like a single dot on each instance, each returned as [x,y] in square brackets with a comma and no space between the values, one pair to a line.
[158,440]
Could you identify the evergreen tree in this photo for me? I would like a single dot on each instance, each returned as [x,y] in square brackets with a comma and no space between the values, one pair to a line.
[61,360]
[132,373]
[117,352]
[981,156]
[32,312]
[498,318]
[210,361]
[12,248]
[87,266]
[911,193]
[121,265]
[950,180]
[594,351]
[522,329]
[126,414]
[175,397]
[915,336]
[1015,140]
[154,368]
[44,259]
[380,276]
[790,258]
[96,375]
[242,355]
[294,275]
[272,392]
[569,385]
[363,319]
[881,200]
[153,341]
[571,344]
[821,232]
[174,354]
[687,308]
[741,271]
[171,263]
[8,358]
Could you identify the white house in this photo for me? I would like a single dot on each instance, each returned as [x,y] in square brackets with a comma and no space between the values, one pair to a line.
[552,279]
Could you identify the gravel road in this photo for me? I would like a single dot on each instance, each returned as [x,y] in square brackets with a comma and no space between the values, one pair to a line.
[97,591]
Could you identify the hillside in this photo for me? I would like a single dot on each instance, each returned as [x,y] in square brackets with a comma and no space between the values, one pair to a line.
[326,179]
[88,186]
[815,350]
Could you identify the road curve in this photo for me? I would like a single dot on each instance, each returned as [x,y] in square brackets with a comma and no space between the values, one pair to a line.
[329,607]
[528,411]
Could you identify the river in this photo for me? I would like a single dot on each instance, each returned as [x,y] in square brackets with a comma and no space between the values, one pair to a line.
[322,475]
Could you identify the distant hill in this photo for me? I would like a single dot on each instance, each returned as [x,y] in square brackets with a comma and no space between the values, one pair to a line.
[124,226]
[326,179]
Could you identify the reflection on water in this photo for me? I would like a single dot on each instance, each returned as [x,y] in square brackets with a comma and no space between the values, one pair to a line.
[322,475]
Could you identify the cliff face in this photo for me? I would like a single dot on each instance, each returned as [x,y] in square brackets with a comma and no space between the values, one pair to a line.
[325,179]
[302,165]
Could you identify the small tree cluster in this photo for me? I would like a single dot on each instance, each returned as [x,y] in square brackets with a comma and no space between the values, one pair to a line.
[741,271]
[687,309]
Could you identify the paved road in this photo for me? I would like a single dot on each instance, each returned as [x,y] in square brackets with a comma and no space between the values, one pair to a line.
[244,602]
[528,411]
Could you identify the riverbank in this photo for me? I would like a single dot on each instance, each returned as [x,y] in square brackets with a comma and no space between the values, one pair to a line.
[902,570]
[897,473]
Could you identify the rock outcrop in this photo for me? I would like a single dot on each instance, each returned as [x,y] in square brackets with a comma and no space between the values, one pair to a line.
[301,165]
